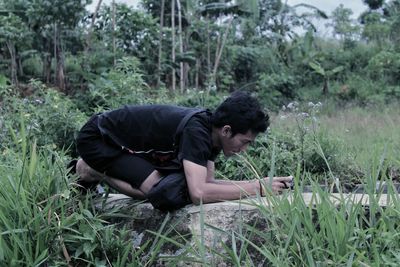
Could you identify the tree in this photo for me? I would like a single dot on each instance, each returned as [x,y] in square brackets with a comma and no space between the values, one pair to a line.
[90,30]
[391,11]
[173,44]
[343,26]
[278,23]
[223,14]
[376,29]
[55,20]
[12,31]
[161,32]
[382,23]
[136,34]
[182,77]
[326,74]
[374,4]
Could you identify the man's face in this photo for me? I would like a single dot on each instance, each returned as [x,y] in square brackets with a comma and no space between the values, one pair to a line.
[232,145]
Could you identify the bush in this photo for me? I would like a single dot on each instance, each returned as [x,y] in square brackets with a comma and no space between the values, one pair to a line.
[364,91]
[117,87]
[275,89]
[33,66]
[50,116]
[199,98]
[385,66]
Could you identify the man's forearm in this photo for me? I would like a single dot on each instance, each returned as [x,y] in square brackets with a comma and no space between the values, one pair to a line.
[227,190]
[220,181]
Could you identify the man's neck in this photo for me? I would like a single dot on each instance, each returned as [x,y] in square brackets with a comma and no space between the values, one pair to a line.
[215,138]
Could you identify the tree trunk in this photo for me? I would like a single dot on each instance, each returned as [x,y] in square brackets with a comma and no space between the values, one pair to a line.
[59,77]
[325,88]
[197,73]
[14,66]
[208,48]
[220,49]
[173,43]
[113,32]
[55,51]
[20,67]
[84,63]
[90,31]
[160,43]
[47,67]
[186,66]
[60,70]
[182,78]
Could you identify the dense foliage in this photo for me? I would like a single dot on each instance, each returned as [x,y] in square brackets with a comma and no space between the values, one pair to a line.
[206,45]
[60,63]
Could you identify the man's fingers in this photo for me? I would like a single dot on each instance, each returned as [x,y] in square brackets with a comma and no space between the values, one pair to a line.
[279,184]
[284,179]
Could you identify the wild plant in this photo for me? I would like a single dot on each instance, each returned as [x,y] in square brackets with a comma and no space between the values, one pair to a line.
[44,221]
[319,228]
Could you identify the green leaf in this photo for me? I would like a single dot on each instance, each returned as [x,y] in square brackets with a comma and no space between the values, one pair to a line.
[33,160]
[337,69]
[317,68]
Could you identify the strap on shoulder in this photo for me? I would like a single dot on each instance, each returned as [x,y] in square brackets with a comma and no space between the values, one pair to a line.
[184,121]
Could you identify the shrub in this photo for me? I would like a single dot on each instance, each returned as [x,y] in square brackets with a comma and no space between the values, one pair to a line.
[33,66]
[385,66]
[275,89]
[199,98]
[50,116]
[120,86]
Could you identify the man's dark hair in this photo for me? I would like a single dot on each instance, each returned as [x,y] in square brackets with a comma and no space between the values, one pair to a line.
[242,112]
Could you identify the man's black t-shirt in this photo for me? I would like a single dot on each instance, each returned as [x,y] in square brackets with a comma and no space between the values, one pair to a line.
[148,128]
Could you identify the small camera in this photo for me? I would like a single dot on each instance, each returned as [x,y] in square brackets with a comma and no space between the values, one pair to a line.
[289,185]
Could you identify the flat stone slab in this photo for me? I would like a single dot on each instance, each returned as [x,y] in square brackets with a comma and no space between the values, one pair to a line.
[213,222]
[249,203]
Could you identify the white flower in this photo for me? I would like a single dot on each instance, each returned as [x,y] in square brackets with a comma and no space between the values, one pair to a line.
[291,105]
[303,114]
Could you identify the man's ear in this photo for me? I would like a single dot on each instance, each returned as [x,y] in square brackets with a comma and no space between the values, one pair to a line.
[226,131]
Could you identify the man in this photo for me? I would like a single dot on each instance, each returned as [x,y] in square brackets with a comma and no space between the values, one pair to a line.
[138,149]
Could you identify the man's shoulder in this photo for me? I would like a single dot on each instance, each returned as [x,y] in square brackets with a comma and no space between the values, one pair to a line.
[201,119]
[154,107]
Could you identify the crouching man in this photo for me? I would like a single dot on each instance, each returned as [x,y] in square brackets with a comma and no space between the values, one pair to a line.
[166,153]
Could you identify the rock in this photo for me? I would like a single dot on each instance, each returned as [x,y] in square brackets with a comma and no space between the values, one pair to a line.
[211,224]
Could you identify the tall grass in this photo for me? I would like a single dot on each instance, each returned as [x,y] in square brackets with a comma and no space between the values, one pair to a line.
[340,231]
[365,131]
[44,221]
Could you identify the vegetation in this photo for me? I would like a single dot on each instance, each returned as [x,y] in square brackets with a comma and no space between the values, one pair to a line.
[333,104]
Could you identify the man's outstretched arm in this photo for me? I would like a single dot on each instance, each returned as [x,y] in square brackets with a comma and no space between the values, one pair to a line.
[204,188]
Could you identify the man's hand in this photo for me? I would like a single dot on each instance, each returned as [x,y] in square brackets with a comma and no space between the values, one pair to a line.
[278,184]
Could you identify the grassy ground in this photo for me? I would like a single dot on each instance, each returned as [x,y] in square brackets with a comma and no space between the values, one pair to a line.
[360,136]
[366,132]
[45,222]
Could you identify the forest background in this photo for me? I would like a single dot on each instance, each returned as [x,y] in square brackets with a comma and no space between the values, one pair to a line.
[333,100]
